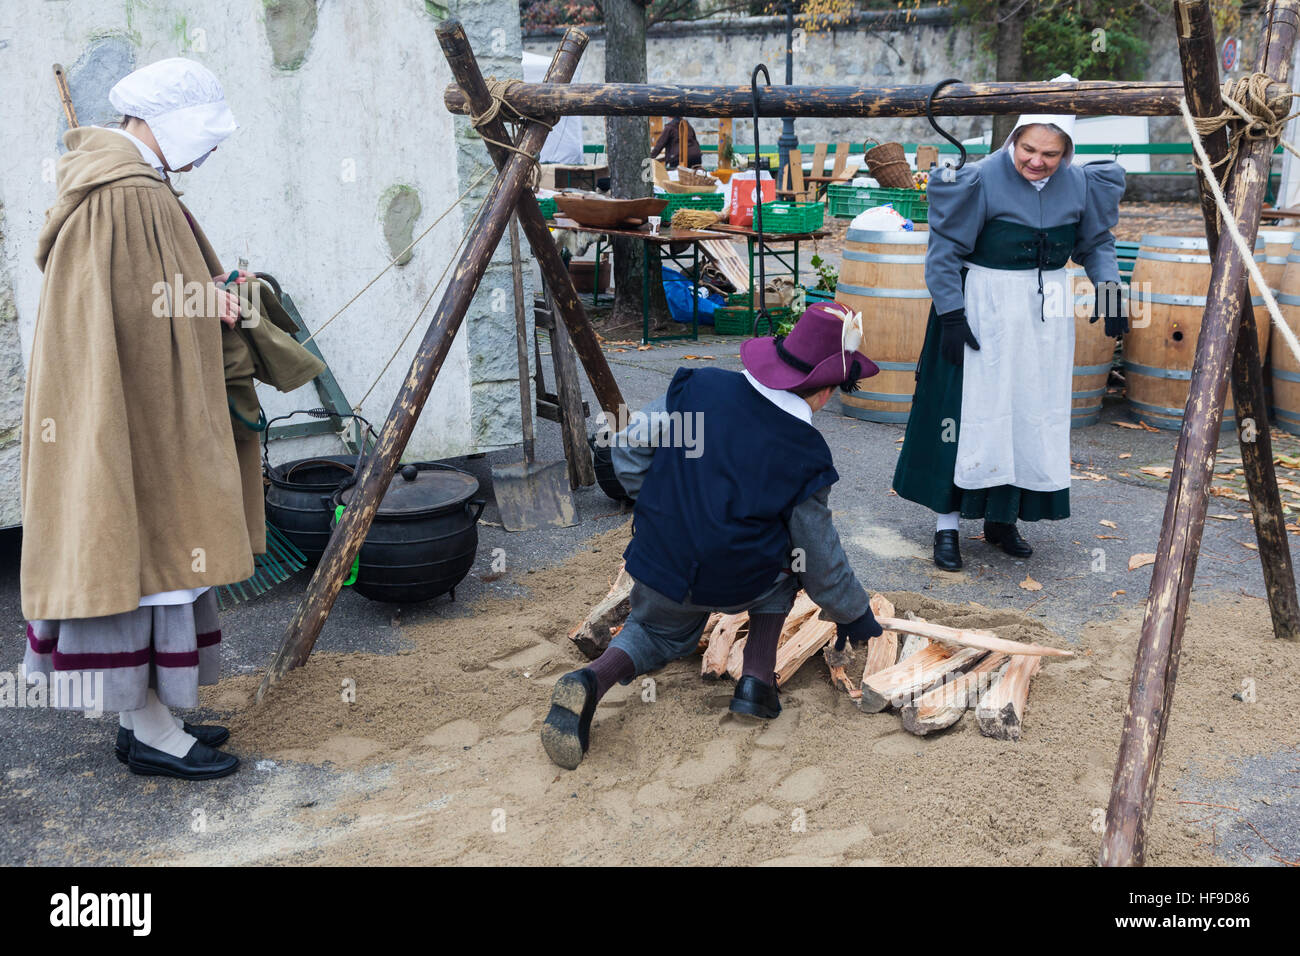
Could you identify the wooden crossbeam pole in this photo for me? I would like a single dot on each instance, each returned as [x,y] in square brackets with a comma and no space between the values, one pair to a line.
[381,463]
[1086,98]
[1133,790]
[1198,50]
[464,67]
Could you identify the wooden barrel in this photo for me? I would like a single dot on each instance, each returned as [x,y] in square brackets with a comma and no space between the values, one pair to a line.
[1166,304]
[1277,247]
[1093,353]
[882,275]
[1282,366]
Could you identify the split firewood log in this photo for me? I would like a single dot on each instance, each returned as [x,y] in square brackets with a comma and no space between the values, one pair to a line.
[943,705]
[895,686]
[882,652]
[736,657]
[811,637]
[707,633]
[592,636]
[911,645]
[725,632]
[965,638]
[1001,711]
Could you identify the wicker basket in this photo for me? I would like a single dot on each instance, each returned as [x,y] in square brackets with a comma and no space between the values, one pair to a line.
[888,166]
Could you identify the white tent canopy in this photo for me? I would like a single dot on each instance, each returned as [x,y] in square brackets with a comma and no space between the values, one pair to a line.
[564,143]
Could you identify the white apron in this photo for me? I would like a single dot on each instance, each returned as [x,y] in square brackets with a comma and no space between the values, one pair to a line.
[1015,393]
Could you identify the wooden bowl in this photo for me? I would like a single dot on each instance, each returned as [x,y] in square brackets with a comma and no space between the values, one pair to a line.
[608,213]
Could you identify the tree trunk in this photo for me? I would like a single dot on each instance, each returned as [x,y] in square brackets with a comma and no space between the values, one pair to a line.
[627,144]
[1009,21]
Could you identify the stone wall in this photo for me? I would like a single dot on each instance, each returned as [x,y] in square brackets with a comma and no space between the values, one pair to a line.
[343,155]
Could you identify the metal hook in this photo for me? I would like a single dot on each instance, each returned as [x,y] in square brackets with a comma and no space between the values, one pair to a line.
[929,114]
[759,299]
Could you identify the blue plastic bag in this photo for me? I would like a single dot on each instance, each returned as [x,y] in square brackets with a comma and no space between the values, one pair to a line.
[677,289]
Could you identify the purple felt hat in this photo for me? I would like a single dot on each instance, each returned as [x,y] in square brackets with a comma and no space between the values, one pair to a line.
[820,350]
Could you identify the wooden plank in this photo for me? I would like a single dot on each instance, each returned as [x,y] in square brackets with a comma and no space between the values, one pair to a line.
[593,635]
[893,686]
[573,423]
[943,706]
[723,254]
[982,639]
[1001,711]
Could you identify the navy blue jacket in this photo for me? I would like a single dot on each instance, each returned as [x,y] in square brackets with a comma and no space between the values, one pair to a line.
[711,515]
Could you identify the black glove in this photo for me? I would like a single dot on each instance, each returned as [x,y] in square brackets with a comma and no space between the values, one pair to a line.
[1111,307]
[954,336]
[857,632]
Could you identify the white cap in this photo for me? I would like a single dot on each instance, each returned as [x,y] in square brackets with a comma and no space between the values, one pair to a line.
[1064,120]
[184,105]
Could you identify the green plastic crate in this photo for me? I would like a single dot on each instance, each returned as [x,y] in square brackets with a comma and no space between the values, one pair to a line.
[737,320]
[792,216]
[548,207]
[710,201]
[846,201]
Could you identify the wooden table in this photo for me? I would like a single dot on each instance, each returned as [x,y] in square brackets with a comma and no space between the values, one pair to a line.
[666,236]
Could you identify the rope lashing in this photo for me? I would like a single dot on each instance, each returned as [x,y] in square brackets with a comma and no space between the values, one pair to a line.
[498,89]
[1229,226]
[1258,122]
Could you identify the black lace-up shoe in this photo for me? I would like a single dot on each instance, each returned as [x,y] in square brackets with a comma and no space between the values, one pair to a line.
[566,732]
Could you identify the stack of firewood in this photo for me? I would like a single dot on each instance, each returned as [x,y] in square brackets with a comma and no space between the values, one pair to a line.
[928,673]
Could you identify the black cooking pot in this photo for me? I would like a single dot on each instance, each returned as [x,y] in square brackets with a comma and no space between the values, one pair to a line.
[298,500]
[424,537]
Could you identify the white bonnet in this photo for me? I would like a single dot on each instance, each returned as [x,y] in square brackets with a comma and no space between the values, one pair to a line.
[184,105]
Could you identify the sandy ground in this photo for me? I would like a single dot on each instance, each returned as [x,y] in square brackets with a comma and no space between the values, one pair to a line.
[439,760]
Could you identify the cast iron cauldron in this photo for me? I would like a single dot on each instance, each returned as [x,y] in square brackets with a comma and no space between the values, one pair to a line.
[424,537]
[298,502]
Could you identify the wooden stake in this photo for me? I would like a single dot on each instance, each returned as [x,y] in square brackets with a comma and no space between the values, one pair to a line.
[1197,49]
[982,639]
[1001,710]
[943,706]
[381,463]
[464,67]
[1155,669]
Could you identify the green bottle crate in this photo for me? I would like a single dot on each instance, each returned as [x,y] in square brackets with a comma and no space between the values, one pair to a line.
[792,216]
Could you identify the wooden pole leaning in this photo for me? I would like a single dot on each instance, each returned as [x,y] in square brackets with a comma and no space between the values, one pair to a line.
[464,67]
[1197,50]
[1133,790]
[381,463]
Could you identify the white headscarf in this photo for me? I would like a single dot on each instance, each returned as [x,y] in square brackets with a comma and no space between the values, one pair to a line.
[1064,120]
[184,105]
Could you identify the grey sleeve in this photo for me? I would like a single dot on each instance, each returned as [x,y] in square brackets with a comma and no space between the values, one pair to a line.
[957,209]
[633,449]
[825,573]
[1094,245]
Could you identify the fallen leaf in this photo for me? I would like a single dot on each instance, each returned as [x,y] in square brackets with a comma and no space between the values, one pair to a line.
[1029,584]
[1091,476]
[701,357]
[624,350]
[1224,517]
[1108,537]
[1118,593]
[1126,454]
[1159,471]
[1123,474]
[1250,545]
[1140,561]
[1127,425]
[644,348]
[1108,523]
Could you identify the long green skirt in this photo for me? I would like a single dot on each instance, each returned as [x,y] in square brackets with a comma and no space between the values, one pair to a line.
[929,457]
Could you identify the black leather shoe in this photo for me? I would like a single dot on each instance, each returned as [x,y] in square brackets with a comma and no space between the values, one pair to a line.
[755,698]
[201,763]
[210,735]
[1006,537]
[947,552]
[566,732]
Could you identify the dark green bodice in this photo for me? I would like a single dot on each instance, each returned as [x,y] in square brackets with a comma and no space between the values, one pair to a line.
[1003,244]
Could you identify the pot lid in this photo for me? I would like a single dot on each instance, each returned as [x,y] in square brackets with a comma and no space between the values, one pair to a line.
[423,488]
